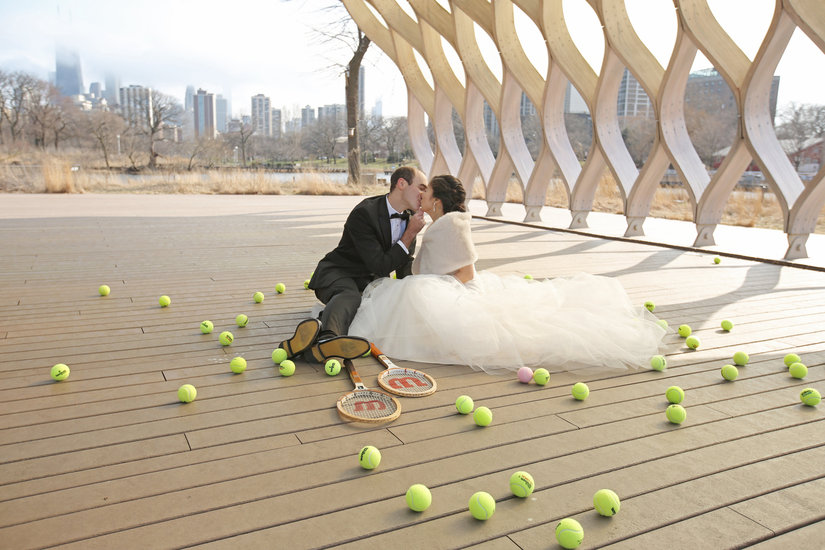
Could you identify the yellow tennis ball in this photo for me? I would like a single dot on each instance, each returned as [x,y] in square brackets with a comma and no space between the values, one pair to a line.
[684,331]
[241,320]
[541,376]
[419,497]
[692,342]
[483,416]
[464,404]
[104,290]
[187,393]
[727,326]
[306,284]
[258,297]
[569,533]
[810,397]
[286,368]
[482,505]
[792,358]
[662,323]
[675,394]
[280,288]
[650,306]
[798,370]
[580,391]
[225,338]
[741,358]
[164,301]
[60,372]
[237,365]
[369,457]
[658,362]
[522,484]
[606,502]
[729,372]
[332,367]
[676,414]
[717,260]
[279,355]
[207,327]
[528,277]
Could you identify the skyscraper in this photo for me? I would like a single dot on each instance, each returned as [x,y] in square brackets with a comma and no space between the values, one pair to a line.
[203,107]
[632,100]
[96,90]
[221,113]
[307,116]
[112,92]
[136,105]
[188,100]
[261,115]
[276,123]
[68,76]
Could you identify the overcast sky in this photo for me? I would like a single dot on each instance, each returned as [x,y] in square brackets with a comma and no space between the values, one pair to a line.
[245,47]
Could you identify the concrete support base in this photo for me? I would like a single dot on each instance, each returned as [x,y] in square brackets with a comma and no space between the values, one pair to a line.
[704,235]
[797,248]
[634,227]
[533,214]
[494,209]
[579,219]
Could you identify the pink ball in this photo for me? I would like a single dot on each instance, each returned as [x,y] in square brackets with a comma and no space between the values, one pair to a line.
[525,374]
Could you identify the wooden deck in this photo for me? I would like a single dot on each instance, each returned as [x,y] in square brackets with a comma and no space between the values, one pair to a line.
[110,459]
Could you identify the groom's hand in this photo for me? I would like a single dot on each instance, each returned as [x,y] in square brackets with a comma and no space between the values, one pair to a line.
[414,225]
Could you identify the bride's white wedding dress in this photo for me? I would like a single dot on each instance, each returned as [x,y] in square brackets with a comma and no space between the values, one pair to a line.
[501,322]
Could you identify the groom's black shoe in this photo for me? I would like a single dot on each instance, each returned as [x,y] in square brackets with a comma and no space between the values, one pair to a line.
[305,335]
[340,347]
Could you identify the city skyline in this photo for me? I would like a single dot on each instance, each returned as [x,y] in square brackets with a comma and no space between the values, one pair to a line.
[239,57]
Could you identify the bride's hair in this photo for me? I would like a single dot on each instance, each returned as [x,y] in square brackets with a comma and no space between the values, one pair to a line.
[449,190]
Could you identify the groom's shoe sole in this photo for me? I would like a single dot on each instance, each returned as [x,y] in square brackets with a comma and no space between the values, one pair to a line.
[305,335]
[340,347]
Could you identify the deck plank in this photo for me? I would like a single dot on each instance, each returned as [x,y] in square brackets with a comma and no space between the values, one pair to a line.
[109,458]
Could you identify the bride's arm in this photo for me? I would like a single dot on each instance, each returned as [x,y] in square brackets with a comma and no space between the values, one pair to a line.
[464,274]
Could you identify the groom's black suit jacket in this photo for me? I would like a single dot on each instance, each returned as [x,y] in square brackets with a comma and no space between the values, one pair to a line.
[365,251]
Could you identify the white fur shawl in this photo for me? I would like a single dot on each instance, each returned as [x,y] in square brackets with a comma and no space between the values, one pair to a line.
[447,245]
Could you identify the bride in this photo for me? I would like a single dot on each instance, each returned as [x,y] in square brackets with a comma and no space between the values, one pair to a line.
[449,313]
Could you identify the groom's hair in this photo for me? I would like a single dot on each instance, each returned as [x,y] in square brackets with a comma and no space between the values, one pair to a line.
[405,172]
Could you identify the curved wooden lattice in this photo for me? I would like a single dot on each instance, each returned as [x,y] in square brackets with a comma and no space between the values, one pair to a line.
[400,35]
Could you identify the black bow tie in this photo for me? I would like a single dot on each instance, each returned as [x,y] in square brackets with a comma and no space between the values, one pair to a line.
[403,215]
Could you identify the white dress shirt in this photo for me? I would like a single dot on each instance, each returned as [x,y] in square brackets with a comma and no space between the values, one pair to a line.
[397,226]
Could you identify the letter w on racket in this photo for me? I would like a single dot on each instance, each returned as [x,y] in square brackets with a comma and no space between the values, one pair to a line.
[405,382]
[369,405]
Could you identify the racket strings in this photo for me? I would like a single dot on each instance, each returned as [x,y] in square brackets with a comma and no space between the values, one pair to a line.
[406,381]
[368,405]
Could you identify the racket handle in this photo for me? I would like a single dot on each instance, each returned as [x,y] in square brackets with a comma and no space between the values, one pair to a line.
[383,359]
[353,374]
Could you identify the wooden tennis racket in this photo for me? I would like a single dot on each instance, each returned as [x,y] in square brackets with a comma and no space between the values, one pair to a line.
[365,405]
[401,380]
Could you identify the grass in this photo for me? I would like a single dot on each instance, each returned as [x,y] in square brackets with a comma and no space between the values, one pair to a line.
[53,174]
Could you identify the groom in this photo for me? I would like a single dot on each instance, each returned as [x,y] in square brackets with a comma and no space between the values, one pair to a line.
[378,238]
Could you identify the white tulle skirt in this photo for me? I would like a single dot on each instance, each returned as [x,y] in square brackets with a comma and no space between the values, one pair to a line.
[496,323]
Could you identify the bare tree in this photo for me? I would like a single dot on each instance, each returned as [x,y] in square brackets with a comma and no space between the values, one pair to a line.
[344,32]
[800,123]
[5,99]
[638,133]
[105,127]
[579,128]
[160,111]
[43,112]
[396,138]
[321,137]
[20,85]
[239,135]
[710,131]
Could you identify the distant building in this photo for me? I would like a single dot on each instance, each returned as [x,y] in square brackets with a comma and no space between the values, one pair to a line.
[337,111]
[526,108]
[307,116]
[378,109]
[68,77]
[112,92]
[136,105]
[573,101]
[276,123]
[262,115]
[707,89]
[96,90]
[632,100]
[203,107]
[490,121]
[188,100]
[221,113]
